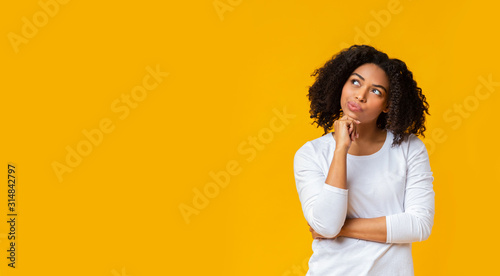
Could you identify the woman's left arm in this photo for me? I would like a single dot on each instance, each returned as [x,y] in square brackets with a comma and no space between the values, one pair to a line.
[372,229]
[416,222]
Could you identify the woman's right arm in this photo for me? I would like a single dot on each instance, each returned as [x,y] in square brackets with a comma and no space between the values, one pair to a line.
[324,206]
[344,134]
[324,202]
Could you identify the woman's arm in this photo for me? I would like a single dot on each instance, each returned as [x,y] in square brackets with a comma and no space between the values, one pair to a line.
[324,206]
[345,133]
[415,223]
[324,201]
[371,229]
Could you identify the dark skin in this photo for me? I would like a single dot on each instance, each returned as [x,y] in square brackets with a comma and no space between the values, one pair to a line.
[316,235]
[364,98]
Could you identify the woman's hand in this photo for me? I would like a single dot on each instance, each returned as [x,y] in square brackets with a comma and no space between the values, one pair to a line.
[345,131]
[315,235]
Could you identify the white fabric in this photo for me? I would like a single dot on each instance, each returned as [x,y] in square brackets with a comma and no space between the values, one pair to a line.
[395,182]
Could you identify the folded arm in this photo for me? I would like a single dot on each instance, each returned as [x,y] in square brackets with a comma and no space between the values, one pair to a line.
[324,205]
[412,225]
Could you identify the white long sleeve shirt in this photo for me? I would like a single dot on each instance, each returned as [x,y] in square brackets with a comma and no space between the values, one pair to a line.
[395,182]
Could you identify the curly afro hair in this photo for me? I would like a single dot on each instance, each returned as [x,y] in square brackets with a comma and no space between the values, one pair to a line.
[407,104]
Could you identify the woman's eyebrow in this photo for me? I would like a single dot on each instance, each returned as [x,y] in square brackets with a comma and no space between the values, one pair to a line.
[358,75]
[376,85]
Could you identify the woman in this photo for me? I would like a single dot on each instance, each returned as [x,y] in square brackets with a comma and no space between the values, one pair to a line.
[366,188]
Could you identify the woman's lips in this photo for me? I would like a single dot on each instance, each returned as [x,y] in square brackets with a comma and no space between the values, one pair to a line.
[353,106]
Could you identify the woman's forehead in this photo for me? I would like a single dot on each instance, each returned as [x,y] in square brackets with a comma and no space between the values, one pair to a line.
[372,72]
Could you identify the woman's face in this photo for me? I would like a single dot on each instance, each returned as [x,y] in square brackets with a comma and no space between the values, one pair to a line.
[365,93]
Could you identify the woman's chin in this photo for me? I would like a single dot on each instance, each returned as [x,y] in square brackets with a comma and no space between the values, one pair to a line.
[352,115]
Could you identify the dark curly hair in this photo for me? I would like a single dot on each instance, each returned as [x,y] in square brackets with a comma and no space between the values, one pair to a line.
[407,104]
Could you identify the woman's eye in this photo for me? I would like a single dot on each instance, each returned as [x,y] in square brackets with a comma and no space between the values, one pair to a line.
[376,91]
[355,82]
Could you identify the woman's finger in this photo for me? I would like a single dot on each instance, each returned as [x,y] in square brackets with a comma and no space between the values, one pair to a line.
[352,119]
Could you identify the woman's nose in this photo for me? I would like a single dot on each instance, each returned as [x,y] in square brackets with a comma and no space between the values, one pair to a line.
[360,97]
[362,94]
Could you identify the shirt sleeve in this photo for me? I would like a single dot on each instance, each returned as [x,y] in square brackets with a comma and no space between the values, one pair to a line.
[416,222]
[324,206]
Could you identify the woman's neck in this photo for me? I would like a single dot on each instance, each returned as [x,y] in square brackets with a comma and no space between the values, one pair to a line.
[370,140]
[369,133]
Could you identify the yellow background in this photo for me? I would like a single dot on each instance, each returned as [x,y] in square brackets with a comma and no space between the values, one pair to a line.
[117,213]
